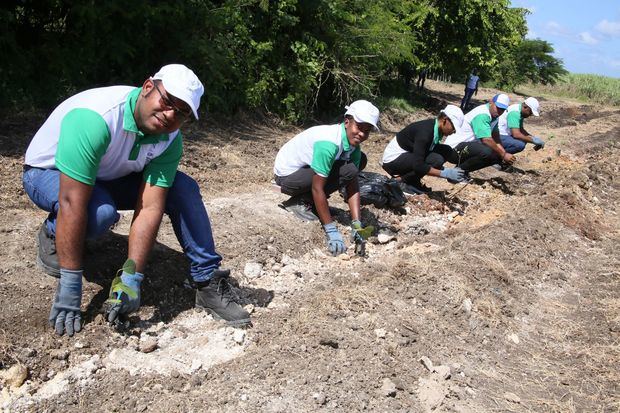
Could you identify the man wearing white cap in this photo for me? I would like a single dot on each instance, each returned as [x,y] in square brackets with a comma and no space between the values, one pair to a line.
[118,148]
[511,132]
[417,150]
[478,144]
[319,161]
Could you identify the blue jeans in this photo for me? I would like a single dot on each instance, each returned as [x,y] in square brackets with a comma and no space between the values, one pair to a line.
[465,101]
[184,206]
[511,144]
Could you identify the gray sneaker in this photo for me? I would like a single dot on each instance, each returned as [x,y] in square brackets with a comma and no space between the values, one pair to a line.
[47,258]
[301,207]
[216,297]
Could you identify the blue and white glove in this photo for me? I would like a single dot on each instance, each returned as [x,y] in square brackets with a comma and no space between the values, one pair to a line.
[65,314]
[453,174]
[335,243]
[538,142]
[124,292]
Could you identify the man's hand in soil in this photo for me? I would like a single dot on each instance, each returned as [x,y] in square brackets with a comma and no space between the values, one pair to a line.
[335,243]
[124,292]
[509,158]
[360,233]
[453,174]
[65,314]
[538,143]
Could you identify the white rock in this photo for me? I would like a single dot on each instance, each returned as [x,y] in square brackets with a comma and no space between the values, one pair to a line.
[511,397]
[514,338]
[15,376]
[426,362]
[467,304]
[196,365]
[388,388]
[239,336]
[252,269]
[443,372]
[385,238]
[380,332]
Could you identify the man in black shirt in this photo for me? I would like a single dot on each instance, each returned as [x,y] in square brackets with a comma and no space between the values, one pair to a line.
[417,151]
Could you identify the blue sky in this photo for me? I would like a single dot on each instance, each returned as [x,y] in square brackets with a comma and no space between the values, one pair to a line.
[585,34]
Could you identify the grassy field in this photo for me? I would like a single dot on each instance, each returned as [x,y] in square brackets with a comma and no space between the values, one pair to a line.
[592,88]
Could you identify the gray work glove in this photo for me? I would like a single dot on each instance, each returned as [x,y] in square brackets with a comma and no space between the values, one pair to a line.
[65,314]
[335,243]
[124,292]
[538,143]
[453,174]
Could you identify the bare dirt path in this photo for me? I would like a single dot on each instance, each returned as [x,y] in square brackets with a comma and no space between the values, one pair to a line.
[507,289]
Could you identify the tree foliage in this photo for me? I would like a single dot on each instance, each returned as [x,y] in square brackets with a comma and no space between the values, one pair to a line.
[290,57]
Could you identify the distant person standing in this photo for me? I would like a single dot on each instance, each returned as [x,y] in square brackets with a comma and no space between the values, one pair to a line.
[511,132]
[421,79]
[471,88]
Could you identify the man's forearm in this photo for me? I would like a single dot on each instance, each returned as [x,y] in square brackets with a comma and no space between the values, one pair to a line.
[143,234]
[498,149]
[70,234]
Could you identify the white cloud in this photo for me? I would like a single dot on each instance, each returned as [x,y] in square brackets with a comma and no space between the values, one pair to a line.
[587,38]
[556,29]
[531,34]
[609,28]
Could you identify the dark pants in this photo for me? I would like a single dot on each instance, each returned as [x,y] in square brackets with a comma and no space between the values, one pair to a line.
[300,181]
[475,155]
[468,94]
[402,166]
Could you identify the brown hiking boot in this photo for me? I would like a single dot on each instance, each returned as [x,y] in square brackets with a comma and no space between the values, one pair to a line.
[47,258]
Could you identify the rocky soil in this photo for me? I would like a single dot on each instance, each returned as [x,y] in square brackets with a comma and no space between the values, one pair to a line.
[500,295]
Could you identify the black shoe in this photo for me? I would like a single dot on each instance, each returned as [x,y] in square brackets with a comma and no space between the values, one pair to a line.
[301,206]
[466,179]
[419,189]
[216,297]
[47,258]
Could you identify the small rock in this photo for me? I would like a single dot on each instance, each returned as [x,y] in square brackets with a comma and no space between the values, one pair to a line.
[467,304]
[319,398]
[276,267]
[426,362]
[148,346]
[196,365]
[514,338]
[60,354]
[388,388]
[385,238]
[380,332]
[513,398]
[79,344]
[244,397]
[443,372]
[344,257]
[15,376]
[239,336]
[252,269]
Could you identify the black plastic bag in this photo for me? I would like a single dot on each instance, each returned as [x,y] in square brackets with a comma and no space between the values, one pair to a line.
[379,190]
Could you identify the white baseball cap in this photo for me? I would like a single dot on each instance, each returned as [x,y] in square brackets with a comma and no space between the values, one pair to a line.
[501,100]
[455,114]
[534,105]
[363,112]
[181,83]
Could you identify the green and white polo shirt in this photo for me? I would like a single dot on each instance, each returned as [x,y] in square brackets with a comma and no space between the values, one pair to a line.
[318,147]
[510,119]
[478,124]
[93,135]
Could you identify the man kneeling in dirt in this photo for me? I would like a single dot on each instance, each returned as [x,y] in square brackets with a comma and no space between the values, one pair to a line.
[116,148]
[511,132]
[319,161]
[417,151]
[478,144]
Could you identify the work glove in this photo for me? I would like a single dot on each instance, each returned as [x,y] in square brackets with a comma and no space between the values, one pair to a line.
[335,243]
[453,174]
[360,233]
[538,143]
[65,314]
[125,292]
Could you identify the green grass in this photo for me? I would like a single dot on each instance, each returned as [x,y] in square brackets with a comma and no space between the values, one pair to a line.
[590,88]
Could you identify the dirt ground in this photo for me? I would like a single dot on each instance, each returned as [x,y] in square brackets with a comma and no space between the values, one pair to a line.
[500,295]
